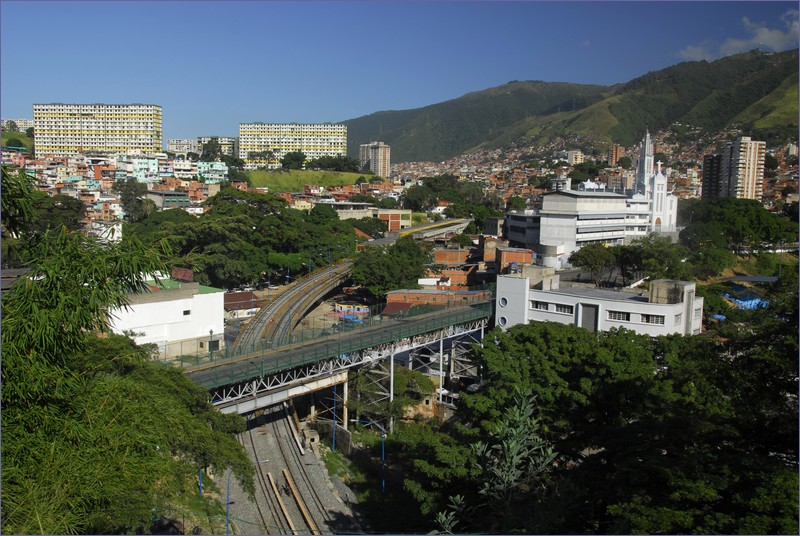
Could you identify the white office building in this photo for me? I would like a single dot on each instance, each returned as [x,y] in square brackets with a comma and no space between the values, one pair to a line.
[670,307]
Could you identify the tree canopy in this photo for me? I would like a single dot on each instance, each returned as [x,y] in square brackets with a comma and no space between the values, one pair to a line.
[293,160]
[95,437]
[665,435]
[381,269]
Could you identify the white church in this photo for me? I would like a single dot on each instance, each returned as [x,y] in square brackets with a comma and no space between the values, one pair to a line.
[572,218]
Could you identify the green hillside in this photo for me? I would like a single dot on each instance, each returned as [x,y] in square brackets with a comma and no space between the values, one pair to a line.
[442,130]
[294,181]
[756,91]
[28,142]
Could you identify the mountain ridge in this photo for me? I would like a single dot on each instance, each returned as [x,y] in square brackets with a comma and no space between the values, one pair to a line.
[752,90]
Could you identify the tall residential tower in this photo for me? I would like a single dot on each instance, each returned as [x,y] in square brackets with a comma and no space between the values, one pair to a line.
[375,157]
[737,172]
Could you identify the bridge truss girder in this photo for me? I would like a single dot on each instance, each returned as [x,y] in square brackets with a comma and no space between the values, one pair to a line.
[375,357]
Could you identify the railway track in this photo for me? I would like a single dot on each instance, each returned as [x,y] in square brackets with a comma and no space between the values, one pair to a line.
[287,500]
[296,458]
[278,318]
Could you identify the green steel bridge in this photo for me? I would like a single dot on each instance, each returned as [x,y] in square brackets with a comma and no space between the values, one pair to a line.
[263,376]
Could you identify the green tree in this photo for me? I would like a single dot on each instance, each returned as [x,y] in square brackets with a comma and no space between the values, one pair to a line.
[388,202]
[419,198]
[393,267]
[11,126]
[233,162]
[29,132]
[340,163]
[363,198]
[125,436]
[597,259]
[15,142]
[624,162]
[293,160]
[770,162]
[661,259]
[370,226]
[628,261]
[462,240]
[665,435]
[212,151]
[515,202]
[131,195]
[194,157]
[54,212]
[510,474]
[17,200]
[322,214]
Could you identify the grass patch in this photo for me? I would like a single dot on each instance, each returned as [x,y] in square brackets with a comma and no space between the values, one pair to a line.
[295,180]
[28,142]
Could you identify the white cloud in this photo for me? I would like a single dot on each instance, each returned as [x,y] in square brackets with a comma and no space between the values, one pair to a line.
[696,53]
[759,36]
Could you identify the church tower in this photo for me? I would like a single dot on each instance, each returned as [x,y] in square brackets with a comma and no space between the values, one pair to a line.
[644,167]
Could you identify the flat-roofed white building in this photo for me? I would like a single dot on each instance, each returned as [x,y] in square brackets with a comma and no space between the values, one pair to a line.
[670,307]
[573,219]
[278,139]
[70,129]
[180,318]
[183,146]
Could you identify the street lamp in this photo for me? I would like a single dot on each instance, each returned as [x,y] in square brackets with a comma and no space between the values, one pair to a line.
[383,448]
[210,338]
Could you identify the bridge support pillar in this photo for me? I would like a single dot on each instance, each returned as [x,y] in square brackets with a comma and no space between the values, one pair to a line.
[441,364]
[391,387]
[345,418]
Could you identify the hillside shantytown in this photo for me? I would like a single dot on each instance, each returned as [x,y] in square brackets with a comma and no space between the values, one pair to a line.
[573,336]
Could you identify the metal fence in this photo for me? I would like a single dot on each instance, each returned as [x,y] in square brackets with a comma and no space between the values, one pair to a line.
[223,371]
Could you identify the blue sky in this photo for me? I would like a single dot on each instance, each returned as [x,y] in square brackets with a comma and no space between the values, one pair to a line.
[214,64]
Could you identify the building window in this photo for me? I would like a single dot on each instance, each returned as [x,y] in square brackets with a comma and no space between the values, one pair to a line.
[187,312]
[619,315]
[566,309]
[213,345]
[540,305]
[653,319]
[678,318]
[502,321]
[698,313]
[503,302]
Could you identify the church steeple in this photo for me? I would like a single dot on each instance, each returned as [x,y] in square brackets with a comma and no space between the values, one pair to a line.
[644,168]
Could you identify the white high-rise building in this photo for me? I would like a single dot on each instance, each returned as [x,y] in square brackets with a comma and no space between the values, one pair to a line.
[71,129]
[375,157]
[743,168]
[265,144]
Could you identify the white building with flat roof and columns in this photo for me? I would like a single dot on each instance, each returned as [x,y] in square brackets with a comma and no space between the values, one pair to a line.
[670,307]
